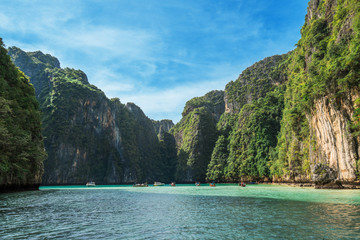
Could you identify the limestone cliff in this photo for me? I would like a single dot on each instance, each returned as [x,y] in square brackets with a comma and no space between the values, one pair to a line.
[333,114]
[196,135]
[320,121]
[249,127]
[162,126]
[88,136]
[335,146]
[287,114]
[254,82]
[21,142]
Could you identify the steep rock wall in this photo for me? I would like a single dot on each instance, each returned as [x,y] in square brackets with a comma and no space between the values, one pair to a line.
[162,126]
[88,136]
[196,135]
[319,123]
[21,142]
[335,145]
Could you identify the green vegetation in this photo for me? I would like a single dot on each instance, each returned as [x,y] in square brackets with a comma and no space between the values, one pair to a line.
[264,134]
[21,143]
[88,136]
[218,164]
[168,157]
[325,63]
[248,132]
[254,137]
[256,81]
[196,135]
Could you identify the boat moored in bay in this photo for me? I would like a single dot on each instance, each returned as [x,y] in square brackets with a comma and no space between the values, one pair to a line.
[90,184]
[140,185]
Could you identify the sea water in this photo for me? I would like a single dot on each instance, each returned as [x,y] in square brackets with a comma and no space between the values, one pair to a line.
[181,212]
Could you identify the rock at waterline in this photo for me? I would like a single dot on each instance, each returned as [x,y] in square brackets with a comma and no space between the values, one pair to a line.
[324,177]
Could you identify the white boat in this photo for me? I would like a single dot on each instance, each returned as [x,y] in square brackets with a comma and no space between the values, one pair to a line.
[159,184]
[140,185]
[90,184]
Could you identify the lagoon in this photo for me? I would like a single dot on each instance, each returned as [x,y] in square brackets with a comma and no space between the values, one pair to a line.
[182,212]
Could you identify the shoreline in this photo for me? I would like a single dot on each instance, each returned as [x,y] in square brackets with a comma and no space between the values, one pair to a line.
[347,185]
[353,185]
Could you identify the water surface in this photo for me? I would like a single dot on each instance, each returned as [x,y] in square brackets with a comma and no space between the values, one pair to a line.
[181,212]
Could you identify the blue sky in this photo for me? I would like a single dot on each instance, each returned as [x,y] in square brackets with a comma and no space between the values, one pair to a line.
[155,53]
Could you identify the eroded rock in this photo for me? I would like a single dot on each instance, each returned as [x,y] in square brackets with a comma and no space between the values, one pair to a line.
[324,177]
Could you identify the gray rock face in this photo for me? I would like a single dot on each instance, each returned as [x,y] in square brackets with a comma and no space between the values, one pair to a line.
[325,177]
[213,101]
[33,64]
[88,136]
[254,82]
[196,135]
[162,126]
[335,144]
[323,174]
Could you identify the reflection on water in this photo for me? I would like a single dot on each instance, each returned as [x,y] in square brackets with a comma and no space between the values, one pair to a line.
[184,212]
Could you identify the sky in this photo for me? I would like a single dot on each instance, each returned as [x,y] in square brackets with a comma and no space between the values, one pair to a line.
[157,54]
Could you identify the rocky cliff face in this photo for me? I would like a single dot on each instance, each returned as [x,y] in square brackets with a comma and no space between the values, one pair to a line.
[286,118]
[287,114]
[88,136]
[254,82]
[21,142]
[249,127]
[162,126]
[335,145]
[212,101]
[33,64]
[331,117]
[322,93]
[196,135]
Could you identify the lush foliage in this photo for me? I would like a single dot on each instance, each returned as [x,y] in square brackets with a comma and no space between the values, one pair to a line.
[254,136]
[218,164]
[248,132]
[256,81]
[264,132]
[21,143]
[196,135]
[325,63]
[88,136]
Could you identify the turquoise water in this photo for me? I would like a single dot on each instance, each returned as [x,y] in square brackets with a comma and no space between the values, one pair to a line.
[181,212]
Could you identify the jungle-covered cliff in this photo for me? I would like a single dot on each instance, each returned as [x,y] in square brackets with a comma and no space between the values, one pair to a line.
[196,134]
[320,124]
[162,126]
[287,118]
[88,136]
[287,115]
[21,143]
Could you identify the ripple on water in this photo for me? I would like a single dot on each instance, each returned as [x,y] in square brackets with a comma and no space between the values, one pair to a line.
[183,212]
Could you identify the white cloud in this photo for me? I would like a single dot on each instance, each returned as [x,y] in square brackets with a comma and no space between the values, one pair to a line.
[169,103]
[60,26]
[111,82]
[130,45]
[111,88]
[5,22]
[149,53]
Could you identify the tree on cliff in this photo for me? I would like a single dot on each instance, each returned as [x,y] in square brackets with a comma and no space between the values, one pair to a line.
[21,143]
